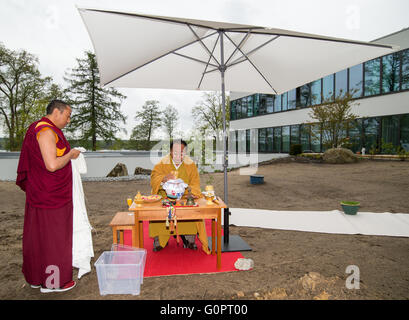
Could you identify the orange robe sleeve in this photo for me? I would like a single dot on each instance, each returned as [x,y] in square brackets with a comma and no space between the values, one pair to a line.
[160,170]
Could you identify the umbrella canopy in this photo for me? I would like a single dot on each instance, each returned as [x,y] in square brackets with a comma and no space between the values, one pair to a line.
[145,51]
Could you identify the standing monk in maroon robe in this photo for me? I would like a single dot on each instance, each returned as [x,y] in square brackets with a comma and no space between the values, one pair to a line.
[44,172]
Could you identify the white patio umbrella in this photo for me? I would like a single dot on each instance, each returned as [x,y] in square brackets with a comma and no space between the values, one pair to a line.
[145,51]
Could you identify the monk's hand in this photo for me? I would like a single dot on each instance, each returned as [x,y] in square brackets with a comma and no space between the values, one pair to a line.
[74,153]
[169,176]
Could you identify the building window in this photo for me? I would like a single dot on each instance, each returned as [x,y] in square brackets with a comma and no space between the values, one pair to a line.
[256,106]
[372,77]
[262,140]
[277,103]
[238,109]
[354,134]
[285,135]
[328,88]
[341,82]
[263,104]
[304,95]
[305,137]
[390,72]
[269,140]
[248,141]
[244,107]
[284,101]
[404,132]
[295,134]
[316,92]
[405,69]
[356,81]
[292,99]
[250,106]
[316,137]
[277,140]
[390,131]
[270,103]
[233,110]
[370,134]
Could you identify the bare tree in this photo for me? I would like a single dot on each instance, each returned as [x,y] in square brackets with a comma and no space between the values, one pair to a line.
[334,117]
[170,118]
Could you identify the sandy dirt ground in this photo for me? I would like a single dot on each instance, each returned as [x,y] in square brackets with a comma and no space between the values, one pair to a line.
[288,264]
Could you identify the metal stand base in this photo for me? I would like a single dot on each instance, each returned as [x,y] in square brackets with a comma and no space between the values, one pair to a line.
[235,243]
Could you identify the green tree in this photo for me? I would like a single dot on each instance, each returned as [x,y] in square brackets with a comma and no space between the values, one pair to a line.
[208,115]
[96,110]
[334,117]
[21,89]
[170,119]
[149,119]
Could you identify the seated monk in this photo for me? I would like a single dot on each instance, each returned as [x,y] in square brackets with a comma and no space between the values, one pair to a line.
[176,165]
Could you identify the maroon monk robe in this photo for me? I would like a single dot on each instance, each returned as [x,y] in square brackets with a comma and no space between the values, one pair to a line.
[47,234]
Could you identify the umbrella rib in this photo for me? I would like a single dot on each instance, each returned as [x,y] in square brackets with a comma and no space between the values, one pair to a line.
[247,58]
[245,38]
[242,59]
[205,47]
[252,51]
[194,59]
[208,62]
[157,58]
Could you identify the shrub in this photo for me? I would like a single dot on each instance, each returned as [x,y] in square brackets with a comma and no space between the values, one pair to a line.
[295,149]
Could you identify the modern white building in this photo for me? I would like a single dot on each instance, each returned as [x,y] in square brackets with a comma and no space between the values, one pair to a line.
[273,122]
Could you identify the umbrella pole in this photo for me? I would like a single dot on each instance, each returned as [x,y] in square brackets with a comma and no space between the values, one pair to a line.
[225,159]
[236,243]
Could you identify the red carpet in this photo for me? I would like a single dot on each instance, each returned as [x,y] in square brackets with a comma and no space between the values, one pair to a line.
[174,259]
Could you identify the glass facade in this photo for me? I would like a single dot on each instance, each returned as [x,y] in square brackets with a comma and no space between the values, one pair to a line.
[362,80]
[376,135]
[384,75]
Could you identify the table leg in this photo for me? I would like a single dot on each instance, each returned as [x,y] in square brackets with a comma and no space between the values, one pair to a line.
[114,235]
[213,236]
[219,240]
[121,236]
[140,234]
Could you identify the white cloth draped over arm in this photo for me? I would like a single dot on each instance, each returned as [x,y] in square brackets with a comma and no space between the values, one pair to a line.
[82,248]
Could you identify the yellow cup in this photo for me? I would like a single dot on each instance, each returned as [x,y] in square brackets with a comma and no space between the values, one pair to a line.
[129,201]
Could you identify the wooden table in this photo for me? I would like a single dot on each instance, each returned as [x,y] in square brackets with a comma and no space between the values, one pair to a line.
[155,212]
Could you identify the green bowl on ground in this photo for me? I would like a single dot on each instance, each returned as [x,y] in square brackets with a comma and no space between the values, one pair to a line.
[350,207]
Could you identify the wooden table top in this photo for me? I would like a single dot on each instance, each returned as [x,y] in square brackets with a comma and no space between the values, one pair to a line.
[156,211]
[202,205]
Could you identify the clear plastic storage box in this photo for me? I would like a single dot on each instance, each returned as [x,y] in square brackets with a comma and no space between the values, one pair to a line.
[121,271]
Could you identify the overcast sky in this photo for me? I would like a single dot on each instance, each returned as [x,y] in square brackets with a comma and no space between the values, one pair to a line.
[54,32]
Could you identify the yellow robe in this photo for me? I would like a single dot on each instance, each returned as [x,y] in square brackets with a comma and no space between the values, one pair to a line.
[189,174]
